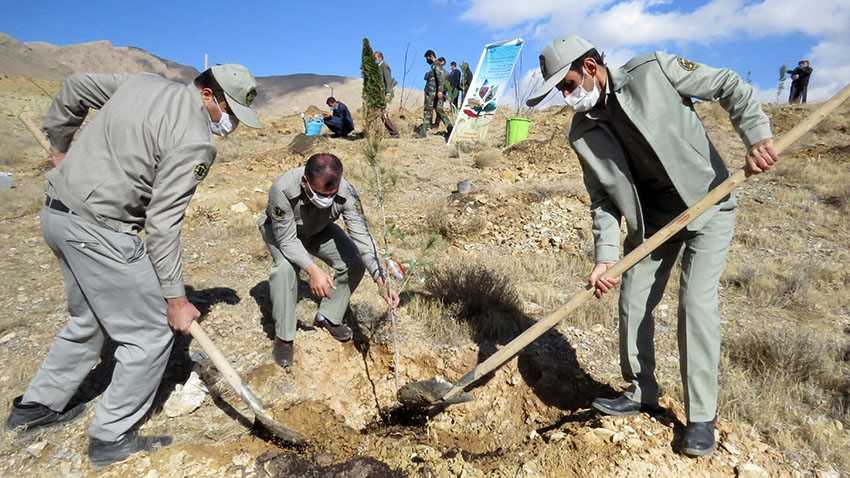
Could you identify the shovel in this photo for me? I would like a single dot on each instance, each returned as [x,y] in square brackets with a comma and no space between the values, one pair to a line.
[438,393]
[287,436]
[262,416]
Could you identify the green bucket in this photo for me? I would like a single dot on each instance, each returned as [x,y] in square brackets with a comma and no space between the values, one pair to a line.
[517,130]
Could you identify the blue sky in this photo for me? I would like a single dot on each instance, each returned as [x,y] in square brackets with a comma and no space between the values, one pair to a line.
[280,37]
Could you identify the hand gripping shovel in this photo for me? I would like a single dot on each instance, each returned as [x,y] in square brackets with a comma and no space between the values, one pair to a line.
[435,392]
[262,417]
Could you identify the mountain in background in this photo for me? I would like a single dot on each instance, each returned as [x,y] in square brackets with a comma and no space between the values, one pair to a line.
[277,95]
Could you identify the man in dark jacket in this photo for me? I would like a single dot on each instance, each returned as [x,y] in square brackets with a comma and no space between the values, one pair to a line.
[454,83]
[800,82]
[389,90]
[339,121]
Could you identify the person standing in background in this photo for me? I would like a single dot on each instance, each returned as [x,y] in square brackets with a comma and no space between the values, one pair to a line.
[389,91]
[800,82]
[454,84]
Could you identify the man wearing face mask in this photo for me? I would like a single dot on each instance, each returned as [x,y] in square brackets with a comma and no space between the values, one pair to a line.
[434,91]
[134,167]
[646,157]
[299,222]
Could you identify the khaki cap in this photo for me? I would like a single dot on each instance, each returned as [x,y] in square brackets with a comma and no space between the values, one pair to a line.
[555,62]
[240,89]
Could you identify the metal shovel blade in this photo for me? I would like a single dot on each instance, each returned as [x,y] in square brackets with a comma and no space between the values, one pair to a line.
[428,393]
[287,436]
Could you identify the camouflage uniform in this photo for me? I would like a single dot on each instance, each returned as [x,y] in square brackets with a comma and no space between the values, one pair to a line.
[434,83]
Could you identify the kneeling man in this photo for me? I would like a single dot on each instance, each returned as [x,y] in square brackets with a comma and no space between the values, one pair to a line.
[646,157]
[299,222]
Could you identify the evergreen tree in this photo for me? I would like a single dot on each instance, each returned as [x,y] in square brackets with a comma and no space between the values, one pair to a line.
[374,99]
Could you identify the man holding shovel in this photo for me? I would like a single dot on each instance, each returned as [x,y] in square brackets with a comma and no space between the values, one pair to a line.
[299,223]
[134,167]
[646,157]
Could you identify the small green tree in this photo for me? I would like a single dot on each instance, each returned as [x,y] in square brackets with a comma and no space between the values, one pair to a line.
[374,99]
[783,74]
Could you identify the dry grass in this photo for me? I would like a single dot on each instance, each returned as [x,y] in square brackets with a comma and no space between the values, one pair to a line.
[438,320]
[443,220]
[794,386]
[489,158]
[825,179]
[480,297]
[25,199]
[800,286]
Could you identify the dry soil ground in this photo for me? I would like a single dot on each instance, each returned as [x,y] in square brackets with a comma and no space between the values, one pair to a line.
[490,263]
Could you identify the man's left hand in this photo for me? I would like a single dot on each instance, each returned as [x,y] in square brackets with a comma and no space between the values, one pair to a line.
[762,156]
[390,296]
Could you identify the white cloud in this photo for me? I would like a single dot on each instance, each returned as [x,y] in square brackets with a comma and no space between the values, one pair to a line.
[619,27]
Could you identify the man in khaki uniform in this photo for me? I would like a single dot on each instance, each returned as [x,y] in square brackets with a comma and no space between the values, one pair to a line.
[133,168]
[299,222]
[389,84]
[646,157]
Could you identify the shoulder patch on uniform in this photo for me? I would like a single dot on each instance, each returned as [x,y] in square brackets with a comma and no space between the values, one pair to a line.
[277,213]
[686,65]
[201,171]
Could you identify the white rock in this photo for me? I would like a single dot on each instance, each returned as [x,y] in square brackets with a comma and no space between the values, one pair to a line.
[7,337]
[36,448]
[152,474]
[731,448]
[239,208]
[751,470]
[186,398]
[242,459]
[557,436]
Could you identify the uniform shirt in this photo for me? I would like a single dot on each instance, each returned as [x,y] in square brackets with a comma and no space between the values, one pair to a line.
[387,80]
[655,91]
[137,163]
[295,220]
[434,80]
[660,202]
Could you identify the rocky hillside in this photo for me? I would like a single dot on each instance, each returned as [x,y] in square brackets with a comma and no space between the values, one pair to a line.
[278,95]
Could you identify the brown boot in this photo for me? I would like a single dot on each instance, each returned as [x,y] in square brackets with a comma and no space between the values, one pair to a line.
[283,352]
[340,332]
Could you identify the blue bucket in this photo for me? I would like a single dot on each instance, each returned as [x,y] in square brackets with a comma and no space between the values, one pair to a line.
[313,127]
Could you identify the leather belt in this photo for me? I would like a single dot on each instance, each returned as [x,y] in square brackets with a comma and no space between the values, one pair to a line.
[57,205]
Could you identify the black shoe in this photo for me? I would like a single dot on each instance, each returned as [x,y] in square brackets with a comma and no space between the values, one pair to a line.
[283,352]
[622,406]
[103,453]
[26,416]
[340,332]
[698,439]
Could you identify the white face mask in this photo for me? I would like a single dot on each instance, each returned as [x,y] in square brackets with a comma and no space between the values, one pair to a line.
[223,126]
[321,202]
[581,100]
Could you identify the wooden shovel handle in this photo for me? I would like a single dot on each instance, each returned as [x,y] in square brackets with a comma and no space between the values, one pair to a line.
[36,133]
[722,190]
[223,366]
